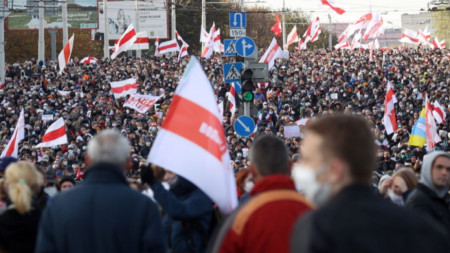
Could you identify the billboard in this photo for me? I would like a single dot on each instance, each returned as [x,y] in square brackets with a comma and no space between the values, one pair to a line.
[81,14]
[148,16]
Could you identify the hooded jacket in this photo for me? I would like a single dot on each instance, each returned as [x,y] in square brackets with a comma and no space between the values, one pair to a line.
[427,199]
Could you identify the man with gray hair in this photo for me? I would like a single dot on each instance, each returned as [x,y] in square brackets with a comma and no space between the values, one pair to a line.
[103,214]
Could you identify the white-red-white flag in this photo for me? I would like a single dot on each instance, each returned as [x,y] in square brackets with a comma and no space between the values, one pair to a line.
[192,132]
[64,55]
[437,44]
[55,135]
[430,126]
[343,45]
[410,36]
[141,42]
[346,33]
[183,51]
[169,46]
[124,88]
[141,103]
[12,149]
[313,31]
[361,23]
[390,121]
[180,38]
[125,41]
[292,37]
[273,52]
[439,112]
[424,36]
[276,28]
[204,35]
[375,27]
[89,60]
[332,6]
[301,45]
[231,96]
[210,44]
[157,47]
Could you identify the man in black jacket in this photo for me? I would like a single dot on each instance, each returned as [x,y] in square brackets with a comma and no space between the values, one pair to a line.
[337,161]
[103,214]
[431,196]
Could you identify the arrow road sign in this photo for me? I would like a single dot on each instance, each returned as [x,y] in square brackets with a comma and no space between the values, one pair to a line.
[230,47]
[245,46]
[238,20]
[232,71]
[244,126]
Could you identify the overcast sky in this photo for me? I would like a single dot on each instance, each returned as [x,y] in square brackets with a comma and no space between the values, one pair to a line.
[354,8]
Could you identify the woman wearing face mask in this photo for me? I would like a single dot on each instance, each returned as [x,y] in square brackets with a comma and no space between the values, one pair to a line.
[19,224]
[243,183]
[399,186]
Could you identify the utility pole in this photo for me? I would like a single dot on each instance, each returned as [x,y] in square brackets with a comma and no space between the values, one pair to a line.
[41,42]
[174,19]
[330,33]
[203,20]
[2,50]
[64,23]
[284,23]
[138,51]
[106,31]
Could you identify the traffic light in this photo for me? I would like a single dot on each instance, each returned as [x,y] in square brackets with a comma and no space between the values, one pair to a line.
[247,85]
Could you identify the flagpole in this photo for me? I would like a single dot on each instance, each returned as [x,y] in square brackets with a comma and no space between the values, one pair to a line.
[64,23]
[106,31]
[284,24]
[330,42]
[174,19]
[138,51]
[41,42]
[203,20]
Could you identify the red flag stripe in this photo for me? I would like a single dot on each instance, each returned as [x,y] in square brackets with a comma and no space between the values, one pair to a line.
[124,88]
[188,120]
[12,145]
[53,135]
[271,54]
[336,9]
[167,47]
[127,37]
[67,51]
[141,40]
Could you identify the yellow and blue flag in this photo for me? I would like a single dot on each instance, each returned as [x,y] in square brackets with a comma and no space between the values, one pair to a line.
[418,135]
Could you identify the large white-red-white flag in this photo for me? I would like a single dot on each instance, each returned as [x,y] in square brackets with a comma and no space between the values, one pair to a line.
[375,27]
[430,126]
[361,23]
[64,55]
[124,88]
[12,149]
[169,46]
[424,36]
[55,135]
[313,31]
[343,45]
[301,45]
[89,60]
[410,36]
[437,44]
[231,96]
[125,41]
[390,121]
[192,132]
[141,42]
[183,51]
[141,103]
[204,35]
[210,44]
[292,37]
[273,52]
[439,112]
[332,6]
[276,28]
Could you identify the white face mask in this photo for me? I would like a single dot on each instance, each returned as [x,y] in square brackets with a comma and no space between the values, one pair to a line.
[396,199]
[51,190]
[248,186]
[306,182]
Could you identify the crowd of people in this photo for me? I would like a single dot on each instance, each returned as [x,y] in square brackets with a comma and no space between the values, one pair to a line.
[307,85]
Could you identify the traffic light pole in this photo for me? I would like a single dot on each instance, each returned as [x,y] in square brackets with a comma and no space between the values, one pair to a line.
[247,106]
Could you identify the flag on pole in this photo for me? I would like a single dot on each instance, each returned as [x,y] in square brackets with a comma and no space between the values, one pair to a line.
[193,124]
[390,121]
[332,5]
[437,44]
[125,41]
[418,135]
[439,112]
[410,36]
[343,45]
[168,47]
[313,31]
[64,56]
[361,23]
[375,27]
[274,51]
[424,36]
[12,149]
[276,28]
[231,96]
[430,126]
[180,38]
[204,35]
[124,88]
[141,42]
[55,135]
[157,47]
[209,46]
[141,103]
[292,37]
[301,45]
[183,51]
[89,60]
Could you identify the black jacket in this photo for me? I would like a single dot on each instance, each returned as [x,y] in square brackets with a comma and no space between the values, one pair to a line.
[101,215]
[357,220]
[428,203]
[18,232]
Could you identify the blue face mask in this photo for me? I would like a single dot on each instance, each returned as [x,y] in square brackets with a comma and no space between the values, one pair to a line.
[59,174]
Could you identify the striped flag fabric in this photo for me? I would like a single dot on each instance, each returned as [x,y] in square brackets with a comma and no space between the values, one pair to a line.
[231,96]
[390,121]
[168,47]
[292,37]
[89,60]
[436,44]
[125,41]
[273,51]
[276,28]
[439,112]
[183,51]
[430,126]
[313,31]
[64,55]
[332,5]
[410,36]
[157,47]
[124,88]
[141,42]
[12,149]
[55,135]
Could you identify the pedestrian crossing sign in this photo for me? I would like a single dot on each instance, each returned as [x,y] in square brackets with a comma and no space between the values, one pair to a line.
[232,71]
[230,47]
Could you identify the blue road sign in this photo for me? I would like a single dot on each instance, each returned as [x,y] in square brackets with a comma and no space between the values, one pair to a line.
[244,126]
[230,47]
[245,46]
[232,71]
[238,20]
[238,86]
